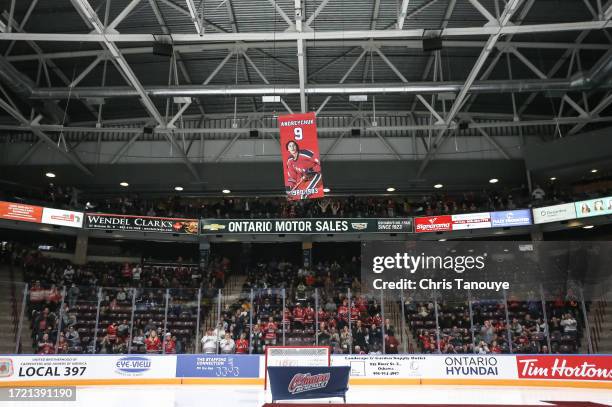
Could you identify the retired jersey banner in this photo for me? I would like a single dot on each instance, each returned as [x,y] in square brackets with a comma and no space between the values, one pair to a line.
[300,154]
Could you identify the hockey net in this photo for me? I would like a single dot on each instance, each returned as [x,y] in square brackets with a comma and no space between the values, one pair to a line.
[296,356]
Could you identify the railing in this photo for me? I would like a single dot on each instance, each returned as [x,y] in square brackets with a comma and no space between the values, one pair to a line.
[187,313]
[598,312]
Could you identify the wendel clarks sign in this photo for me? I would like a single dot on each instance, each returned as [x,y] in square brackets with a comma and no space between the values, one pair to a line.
[305,226]
[140,223]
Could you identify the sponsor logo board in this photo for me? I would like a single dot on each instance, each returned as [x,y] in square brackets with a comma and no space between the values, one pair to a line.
[306,226]
[442,223]
[471,221]
[594,207]
[62,218]
[520,217]
[565,367]
[555,213]
[140,223]
[21,212]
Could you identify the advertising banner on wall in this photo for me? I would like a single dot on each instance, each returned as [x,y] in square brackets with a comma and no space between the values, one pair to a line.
[565,367]
[217,366]
[305,226]
[21,212]
[300,155]
[504,219]
[75,367]
[140,223]
[471,221]
[594,207]
[442,223]
[555,213]
[62,218]
[429,366]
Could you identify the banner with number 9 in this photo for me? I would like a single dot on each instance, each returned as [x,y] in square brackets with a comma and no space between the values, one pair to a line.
[300,155]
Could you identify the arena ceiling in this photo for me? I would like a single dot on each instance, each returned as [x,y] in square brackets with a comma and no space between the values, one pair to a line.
[85,92]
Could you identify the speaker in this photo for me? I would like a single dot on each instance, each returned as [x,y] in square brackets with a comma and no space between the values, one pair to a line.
[162,49]
[432,44]
[147,130]
[254,133]
[355,132]
[463,125]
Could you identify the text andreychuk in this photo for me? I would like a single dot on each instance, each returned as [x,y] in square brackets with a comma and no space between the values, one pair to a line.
[444,284]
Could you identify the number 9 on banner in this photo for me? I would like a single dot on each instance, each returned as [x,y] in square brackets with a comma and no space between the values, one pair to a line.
[298,133]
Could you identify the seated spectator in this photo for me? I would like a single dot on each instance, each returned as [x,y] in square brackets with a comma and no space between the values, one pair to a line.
[569,324]
[72,337]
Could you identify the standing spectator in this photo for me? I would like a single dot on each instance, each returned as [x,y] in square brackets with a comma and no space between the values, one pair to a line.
[45,346]
[73,295]
[538,193]
[152,343]
[209,342]
[227,345]
[72,337]
[391,344]
[169,343]
[242,344]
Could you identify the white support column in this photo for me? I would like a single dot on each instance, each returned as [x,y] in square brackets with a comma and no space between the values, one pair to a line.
[195,19]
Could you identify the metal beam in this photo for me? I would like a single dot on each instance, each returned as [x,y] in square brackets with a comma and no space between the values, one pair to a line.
[409,44]
[402,15]
[282,14]
[482,10]
[30,151]
[317,12]
[195,19]
[343,79]
[491,140]
[603,104]
[492,86]
[24,21]
[86,11]
[310,35]
[122,16]
[509,10]
[44,137]
[85,72]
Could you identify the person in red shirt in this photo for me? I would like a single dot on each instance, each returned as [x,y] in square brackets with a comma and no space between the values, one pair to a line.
[169,344]
[152,343]
[343,311]
[45,347]
[309,316]
[242,344]
[112,332]
[298,317]
[391,344]
[322,315]
[270,332]
[287,317]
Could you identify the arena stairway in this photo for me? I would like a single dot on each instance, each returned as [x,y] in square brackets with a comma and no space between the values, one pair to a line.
[231,293]
[600,322]
[11,286]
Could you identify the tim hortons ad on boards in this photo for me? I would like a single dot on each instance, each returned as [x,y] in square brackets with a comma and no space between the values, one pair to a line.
[565,367]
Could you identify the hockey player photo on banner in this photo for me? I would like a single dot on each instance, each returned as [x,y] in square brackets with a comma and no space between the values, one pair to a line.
[300,154]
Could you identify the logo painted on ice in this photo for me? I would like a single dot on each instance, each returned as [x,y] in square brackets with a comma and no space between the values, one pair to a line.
[133,365]
[302,382]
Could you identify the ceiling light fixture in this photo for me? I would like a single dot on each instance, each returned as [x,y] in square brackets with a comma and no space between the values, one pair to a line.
[226,191]
[438,186]
[594,170]
[178,188]
[124,184]
[326,190]
[390,189]
[588,227]
[50,175]
[493,181]
[553,178]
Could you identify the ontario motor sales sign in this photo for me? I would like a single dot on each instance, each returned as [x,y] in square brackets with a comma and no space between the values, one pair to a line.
[140,223]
